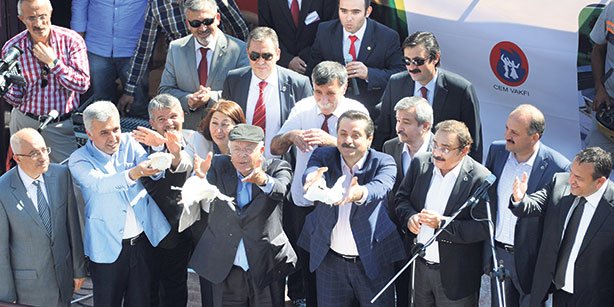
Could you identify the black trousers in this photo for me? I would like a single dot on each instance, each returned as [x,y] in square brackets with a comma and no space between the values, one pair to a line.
[170,275]
[127,279]
[239,289]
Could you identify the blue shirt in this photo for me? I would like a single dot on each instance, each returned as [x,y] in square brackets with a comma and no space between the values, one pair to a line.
[112,27]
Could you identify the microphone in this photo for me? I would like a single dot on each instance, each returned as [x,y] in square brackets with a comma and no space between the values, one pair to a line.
[482,189]
[348,58]
[53,114]
[11,55]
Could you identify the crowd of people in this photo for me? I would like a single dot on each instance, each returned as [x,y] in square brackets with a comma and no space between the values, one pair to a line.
[318,97]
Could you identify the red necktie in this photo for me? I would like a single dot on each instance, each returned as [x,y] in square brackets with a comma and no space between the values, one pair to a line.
[260,109]
[352,52]
[202,67]
[423,92]
[325,123]
[295,12]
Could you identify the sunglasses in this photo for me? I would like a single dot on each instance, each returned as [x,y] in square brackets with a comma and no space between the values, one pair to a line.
[44,74]
[198,23]
[254,56]
[416,61]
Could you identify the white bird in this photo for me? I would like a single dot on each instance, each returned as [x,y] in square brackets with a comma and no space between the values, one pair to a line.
[160,160]
[198,191]
[319,192]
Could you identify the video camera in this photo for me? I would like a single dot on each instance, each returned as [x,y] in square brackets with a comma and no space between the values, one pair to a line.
[10,72]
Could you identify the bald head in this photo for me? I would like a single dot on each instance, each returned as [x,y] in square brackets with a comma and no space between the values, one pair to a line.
[523,130]
[25,136]
[534,118]
[30,152]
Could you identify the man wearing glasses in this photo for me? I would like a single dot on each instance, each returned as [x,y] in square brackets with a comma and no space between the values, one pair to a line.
[41,252]
[436,185]
[55,67]
[197,64]
[450,95]
[265,91]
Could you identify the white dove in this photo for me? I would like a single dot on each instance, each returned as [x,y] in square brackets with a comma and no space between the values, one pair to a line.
[198,191]
[319,192]
[160,160]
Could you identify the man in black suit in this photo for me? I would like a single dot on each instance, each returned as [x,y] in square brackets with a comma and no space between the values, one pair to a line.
[452,96]
[370,50]
[414,122]
[436,186]
[244,251]
[517,240]
[575,257]
[295,35]
[266,92]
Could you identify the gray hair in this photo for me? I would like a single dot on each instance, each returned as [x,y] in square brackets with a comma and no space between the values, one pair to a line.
[199,5]
[422,108]
[328,71]
[163,101]
[17,138]
[259,34]
[20,3]
[99,111]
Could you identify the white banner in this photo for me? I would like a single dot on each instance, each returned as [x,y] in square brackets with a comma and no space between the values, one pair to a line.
[514,52]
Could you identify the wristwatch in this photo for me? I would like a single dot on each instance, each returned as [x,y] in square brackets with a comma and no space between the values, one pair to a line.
[55,62]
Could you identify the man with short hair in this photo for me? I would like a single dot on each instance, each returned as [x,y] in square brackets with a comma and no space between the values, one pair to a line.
[55,66]
[517,240]
[265,91]
[436,186]
[41,252]
[312,123]
[196,65]
[122,222]
[450,95]
[575,256]
[244,251]
[370,51]
[353,243]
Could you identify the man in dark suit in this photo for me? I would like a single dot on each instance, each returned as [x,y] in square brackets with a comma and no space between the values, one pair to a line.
[295,22]
[414,122]
[41,252]
[370,50]
[266,92]
[353,244]
[452,96]
[517,240]
[575,256]
[436,186]
[244,251]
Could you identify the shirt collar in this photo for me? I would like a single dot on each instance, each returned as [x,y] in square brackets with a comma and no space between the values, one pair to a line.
[270,80]
[593,199]
[531,160]
[454,172]
[27,180]
[430,87]
[423,148]
[360,33]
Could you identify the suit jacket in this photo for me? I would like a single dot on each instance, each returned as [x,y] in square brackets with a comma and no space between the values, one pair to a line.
[593,271]
[180,76]
[35,269]
[380,51]
[455,98]
[107,193]
[461,244]
[528,230]
[377,240]
[295,40]
[259,224]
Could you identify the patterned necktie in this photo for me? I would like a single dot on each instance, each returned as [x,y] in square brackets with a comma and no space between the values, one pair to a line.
[43,207]
[352,52]
[203,74]
[295,12]
[423,91]
[567,243]
[260,109]
[325,123]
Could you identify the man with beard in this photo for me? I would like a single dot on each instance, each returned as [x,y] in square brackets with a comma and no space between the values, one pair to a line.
[450,95]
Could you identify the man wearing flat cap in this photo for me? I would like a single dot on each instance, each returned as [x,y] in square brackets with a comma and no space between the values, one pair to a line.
[244,251]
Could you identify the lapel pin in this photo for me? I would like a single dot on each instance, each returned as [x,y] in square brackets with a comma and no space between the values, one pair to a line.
[19,206]
[369,48]
[465,178]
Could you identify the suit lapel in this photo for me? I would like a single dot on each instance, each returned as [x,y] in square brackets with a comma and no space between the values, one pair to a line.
[337,40]
[367,44]
[305,10]
[230,180]
[461,186]
[285,95]
[602,212]
[537,172]
[441,92]
[423,182]
[398,159]
[287,14]
[217,56]
[20,194]
[243,88]
[190,55]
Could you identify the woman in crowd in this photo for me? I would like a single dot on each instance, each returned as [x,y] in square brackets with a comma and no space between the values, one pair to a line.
[216,125]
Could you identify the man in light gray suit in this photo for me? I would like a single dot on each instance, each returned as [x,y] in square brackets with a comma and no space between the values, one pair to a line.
[41,252]
[196,65]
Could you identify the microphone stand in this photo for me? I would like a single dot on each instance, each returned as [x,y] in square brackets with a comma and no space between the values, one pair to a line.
[498,273]
[419,249]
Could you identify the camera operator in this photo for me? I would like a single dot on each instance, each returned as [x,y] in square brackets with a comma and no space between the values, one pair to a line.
[55,67]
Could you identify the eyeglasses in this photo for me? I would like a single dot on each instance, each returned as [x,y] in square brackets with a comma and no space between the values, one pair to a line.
[198,23]
[443,150]
[254,56]
[36,154]
[44,74]
[415,61]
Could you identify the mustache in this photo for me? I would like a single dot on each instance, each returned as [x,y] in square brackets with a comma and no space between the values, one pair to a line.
[401,133]
[441,159]
[345,145]
[510,141]
[415,71]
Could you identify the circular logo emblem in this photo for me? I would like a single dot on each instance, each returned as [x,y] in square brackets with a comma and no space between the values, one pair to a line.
[509,64]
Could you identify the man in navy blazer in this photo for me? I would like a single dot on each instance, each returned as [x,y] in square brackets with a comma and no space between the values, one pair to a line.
[353,243]
[517,240]
[371,59]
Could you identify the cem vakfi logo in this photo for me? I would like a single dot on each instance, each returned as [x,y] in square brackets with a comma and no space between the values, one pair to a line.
[510,65]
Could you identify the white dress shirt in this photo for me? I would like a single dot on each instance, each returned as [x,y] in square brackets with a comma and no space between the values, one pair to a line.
[347,42]
[436,200]
[272,105]
[406,157]
[31,190]
[430,89]
[300,4]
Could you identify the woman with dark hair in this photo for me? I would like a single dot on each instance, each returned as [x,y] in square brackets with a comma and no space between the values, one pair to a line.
[218,122]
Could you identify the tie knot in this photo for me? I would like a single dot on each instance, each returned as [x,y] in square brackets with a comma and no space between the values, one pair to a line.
[37,183]
[326,117]
[204,51]
[262,84]
[353,38]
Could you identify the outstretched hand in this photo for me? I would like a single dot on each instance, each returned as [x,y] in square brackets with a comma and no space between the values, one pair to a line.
[519,188]
[201,167]
[313,177]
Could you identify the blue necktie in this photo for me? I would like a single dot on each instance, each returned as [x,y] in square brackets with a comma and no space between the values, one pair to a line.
[43,207]
[243,198]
